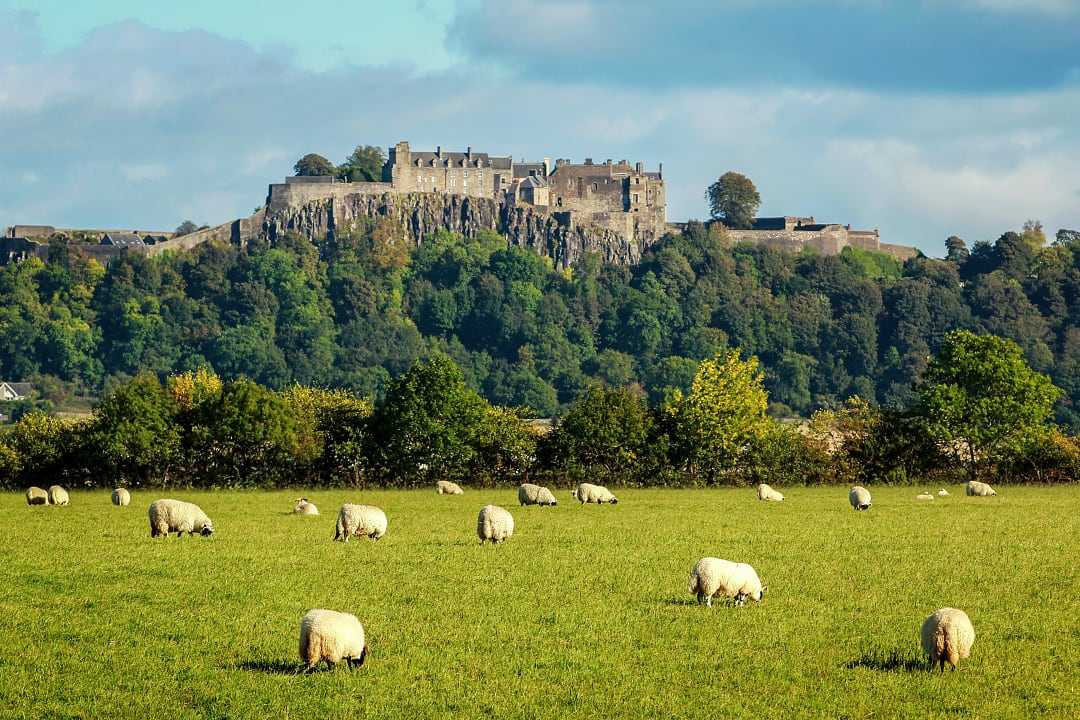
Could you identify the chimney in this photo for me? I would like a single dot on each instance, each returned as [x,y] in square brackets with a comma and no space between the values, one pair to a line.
[468,152]
[547,166]
[438,151]
[588,161]
[640,168]
[661,171]
[608,161]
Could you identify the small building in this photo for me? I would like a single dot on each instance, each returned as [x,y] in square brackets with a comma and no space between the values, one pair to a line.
[122,240]
[534,190]
[13,391]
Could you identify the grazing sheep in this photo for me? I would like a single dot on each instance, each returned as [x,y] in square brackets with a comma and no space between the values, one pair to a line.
[979,489]
[924,496]
[764,492]
[715,577]
[36,496]
[947,636]
[57,495]
[529,494]
[331,636]
[859,497]
[305,507]
[121,497]
[177,516]
[589,493]
[445,487]
[495,524]
[361,520]
[943,493]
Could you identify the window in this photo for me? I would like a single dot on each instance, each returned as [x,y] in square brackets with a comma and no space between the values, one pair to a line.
[637,198]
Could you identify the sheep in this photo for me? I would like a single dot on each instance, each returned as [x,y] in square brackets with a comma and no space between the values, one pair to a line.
[57,495]
[764,492]
[924,496]
[979,489]
[943,493]
[305,507]
[947,636]
[859,497]
[445,487]
[361,520]
[177,516]
[121,497]
[36,496]
[331,636]
[714,577]
[589,493]
[529,494]
[495,524]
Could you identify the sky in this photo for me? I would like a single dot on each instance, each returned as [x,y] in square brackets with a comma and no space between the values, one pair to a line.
[923,118]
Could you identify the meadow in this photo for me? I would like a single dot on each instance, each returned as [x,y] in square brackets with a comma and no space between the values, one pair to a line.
[584,613]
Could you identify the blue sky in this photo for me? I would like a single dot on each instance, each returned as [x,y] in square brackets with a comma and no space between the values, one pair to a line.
[923,118]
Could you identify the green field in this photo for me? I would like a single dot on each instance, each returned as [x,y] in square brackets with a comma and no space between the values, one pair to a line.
[584,613]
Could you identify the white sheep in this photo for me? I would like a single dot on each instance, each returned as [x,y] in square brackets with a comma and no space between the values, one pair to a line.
[764,492]
[445,487]
[979,489]
[943,493]
[331,636]
[947,637]
[529,494]
[177,516]
[859,497]
[121,497]
[57,495]
[361,520]
[924,496]
[589,493]
[36,496]
[715,577]
[305,507]
[495,524]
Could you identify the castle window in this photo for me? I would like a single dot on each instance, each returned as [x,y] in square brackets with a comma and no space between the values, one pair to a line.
[595,186]
[637,198]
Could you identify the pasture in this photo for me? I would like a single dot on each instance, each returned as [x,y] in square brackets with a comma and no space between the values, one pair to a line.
[584,613]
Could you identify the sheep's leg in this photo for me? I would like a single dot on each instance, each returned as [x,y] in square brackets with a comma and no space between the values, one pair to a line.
[708,600]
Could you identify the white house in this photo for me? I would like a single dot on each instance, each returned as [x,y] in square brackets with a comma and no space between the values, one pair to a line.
[10,391]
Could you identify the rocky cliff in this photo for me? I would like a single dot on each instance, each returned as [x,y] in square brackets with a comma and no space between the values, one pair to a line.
[421,214]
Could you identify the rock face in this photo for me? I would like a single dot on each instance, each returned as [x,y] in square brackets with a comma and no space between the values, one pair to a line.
[421,214]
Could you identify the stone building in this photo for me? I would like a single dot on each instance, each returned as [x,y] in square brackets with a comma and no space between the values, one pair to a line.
[794,233]
[458,173]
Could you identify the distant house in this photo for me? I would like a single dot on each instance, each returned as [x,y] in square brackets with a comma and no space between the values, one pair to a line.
[12,391]
[123,240]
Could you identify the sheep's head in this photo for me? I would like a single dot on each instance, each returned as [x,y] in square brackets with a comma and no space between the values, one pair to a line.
[207,529]
[761,592]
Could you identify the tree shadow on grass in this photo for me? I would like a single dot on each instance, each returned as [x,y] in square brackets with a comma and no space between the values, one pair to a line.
[891,660]
[273,667]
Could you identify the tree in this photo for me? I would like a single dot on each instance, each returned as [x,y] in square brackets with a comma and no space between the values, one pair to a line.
[734,199]
[979,399]
[135,433]
[364,164]
[956,250]
[186,228]
[312,164]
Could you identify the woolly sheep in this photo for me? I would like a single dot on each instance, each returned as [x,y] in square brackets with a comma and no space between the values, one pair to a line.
[859,497]
[36,496]
[924,496]
[529,494]
[361,520]
[495,524]
[943,493]
[979,489]
[305,507]
[764,492]
[715,577]
[445,487]
[947,636]
[331,636]
[177,516]
[121,497]
[589,493]
[57,495]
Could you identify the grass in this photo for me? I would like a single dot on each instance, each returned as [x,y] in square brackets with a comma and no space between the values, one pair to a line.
[584,613]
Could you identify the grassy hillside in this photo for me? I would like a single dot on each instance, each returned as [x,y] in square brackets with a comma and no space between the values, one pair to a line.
[584,613]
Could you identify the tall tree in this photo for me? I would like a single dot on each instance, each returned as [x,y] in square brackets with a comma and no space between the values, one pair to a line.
[364,164]
[312,164]
[734,199]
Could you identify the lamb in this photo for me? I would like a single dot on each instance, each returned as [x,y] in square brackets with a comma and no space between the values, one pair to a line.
[715,577]
[495,524]
[57,495]
[445,487]
[589,493]
[361,520]
[859,497]
[947,636]
[36,496]
[305,507]
[529,494]
[764,492]
[979,489]
[331,636]
[177,516]
[924,496]
[943,493]
[121,497]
